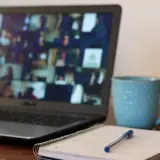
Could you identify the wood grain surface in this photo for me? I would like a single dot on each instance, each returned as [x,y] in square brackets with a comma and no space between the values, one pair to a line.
[8,152]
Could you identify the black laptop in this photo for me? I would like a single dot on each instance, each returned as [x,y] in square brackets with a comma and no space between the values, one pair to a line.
[56,63]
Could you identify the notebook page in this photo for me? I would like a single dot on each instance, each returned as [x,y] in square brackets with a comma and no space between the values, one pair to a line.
[143,145]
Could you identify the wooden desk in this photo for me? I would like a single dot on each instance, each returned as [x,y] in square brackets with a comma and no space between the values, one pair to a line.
[8,152]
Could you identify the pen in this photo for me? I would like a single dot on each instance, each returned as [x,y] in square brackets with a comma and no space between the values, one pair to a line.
[126,135]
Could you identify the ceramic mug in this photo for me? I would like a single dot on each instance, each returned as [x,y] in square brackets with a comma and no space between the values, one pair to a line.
[136,101]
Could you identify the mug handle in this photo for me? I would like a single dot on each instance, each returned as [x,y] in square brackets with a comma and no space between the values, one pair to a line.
[158,122]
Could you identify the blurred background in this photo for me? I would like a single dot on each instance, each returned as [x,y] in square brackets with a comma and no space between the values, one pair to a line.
[138,47]
[138,51]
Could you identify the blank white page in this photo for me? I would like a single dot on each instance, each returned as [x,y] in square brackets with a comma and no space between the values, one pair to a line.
[144,144]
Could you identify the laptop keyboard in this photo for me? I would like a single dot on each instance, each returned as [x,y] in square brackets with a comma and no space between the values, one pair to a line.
[55,120]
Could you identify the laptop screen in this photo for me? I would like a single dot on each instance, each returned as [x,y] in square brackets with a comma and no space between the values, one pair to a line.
[54,57]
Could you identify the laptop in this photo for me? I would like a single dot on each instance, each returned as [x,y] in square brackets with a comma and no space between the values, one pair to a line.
[56,63]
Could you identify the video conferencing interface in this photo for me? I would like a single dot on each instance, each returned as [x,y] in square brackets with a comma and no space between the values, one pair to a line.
[54,57]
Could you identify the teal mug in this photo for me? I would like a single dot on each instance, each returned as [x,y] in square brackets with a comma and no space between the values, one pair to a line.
[136,101]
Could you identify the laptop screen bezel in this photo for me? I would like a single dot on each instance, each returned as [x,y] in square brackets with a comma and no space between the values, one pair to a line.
[115,10]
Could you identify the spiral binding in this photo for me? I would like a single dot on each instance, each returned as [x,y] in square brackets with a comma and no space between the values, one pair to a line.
[49,142]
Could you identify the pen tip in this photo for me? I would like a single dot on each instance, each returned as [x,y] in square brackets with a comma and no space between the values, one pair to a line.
[106,149]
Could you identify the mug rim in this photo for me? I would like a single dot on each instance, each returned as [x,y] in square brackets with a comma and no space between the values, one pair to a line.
[136,78]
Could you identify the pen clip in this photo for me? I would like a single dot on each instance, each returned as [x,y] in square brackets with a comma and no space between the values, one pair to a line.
[128,134]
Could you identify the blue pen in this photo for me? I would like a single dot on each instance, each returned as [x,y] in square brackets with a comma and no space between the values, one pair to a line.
[126,135]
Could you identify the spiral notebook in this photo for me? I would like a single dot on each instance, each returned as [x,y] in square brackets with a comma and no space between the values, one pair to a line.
[89,145]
